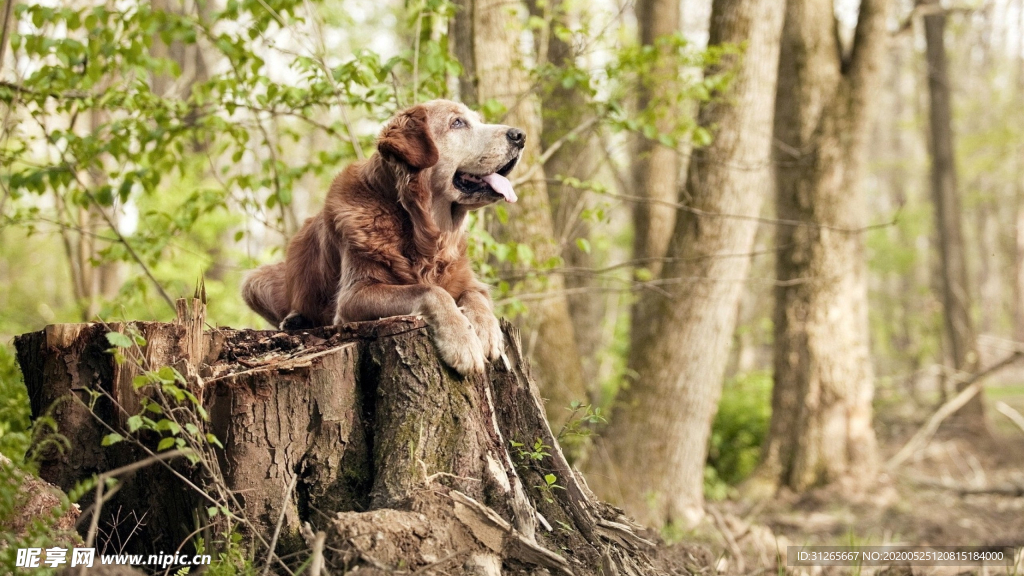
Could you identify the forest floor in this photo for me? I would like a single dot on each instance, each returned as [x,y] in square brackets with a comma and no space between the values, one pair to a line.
[956,491]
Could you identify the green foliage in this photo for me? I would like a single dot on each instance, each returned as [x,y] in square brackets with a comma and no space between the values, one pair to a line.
[169,410]
[536,453]
[14,411]
[110,128]
[231,560]
[550,485]
[739,429]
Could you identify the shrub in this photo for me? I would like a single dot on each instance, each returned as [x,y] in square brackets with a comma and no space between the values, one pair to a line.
[738,431]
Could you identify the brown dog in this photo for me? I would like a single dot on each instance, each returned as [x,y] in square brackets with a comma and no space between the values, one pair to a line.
[391,238]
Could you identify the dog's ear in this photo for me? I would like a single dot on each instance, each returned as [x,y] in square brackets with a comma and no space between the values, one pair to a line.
[407,139]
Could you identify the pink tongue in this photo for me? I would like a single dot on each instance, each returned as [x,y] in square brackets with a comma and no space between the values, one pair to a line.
[502,186]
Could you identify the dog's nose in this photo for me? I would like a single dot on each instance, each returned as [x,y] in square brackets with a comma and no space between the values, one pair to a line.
[516,136]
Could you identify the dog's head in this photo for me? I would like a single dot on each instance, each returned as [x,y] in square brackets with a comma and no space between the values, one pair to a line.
[460,157]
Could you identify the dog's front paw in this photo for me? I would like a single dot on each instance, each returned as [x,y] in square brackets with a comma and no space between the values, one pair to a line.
[459,347]
[489,332]
[296,321]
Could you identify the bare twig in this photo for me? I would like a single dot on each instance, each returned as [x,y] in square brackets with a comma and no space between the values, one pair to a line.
[126,244]
[316,566]
[1008,411]
[972,386]
[760,219]
[71,95]
[109,221]
[277,527]
[555,147]
[101,482]
[416,56]
[730,540]
[963,490]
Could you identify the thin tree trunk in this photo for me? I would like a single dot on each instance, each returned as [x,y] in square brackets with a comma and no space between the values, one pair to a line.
[1018,285]
[821,430]
[494,70]
[6,21]
[956,300]
[656,166]
[651,458]
[565,109]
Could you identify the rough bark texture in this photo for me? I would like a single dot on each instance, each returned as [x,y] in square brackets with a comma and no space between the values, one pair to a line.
[656,168]
[358,430]
[566,109]
[821,405]
[681,355]
[487,42]
[960,336]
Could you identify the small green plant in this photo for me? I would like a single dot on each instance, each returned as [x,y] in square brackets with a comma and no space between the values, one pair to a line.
[550,485]
[582,419]
[232,559]
[169,409]
[537,453]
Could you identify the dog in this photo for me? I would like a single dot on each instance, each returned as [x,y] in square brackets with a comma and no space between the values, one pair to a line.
[391,238]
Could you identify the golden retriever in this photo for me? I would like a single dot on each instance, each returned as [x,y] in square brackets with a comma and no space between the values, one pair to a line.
[391,237]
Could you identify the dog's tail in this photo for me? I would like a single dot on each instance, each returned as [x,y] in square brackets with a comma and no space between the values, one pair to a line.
[265,291]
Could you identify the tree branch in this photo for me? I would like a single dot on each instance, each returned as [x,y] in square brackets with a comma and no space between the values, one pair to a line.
[555,146]
[972,386]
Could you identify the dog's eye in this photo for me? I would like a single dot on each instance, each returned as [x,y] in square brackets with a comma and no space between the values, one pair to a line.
[458,123]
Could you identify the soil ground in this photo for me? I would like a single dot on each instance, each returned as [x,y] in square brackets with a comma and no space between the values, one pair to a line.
[956,491]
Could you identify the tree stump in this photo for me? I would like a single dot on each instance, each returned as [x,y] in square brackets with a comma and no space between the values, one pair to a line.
[354,440]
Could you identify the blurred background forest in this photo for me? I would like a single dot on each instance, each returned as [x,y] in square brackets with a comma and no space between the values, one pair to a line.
[759,243]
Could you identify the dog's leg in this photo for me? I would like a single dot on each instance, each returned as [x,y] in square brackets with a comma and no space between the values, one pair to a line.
[456,340]
[476,305]
[265,292]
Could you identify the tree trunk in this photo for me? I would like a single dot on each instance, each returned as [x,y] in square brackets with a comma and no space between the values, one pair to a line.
[656,166]
[566,109]
[357,429]
[956,301]
[651,459]
[487,36]
[1018,261]
[821,403]
[6,21]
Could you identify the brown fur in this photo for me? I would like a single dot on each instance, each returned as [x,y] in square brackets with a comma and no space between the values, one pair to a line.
[390,239]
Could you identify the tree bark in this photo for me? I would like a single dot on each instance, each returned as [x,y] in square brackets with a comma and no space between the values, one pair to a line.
[651,459]
[488,36]
[6,20]
[821,430]
[566,109]
[656,166]
[960,335]
[356,429]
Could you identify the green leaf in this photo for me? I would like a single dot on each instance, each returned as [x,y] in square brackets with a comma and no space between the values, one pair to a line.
[550,479]
[134,423]
[110,439]
[165,444]
[119,340]
[213,440]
